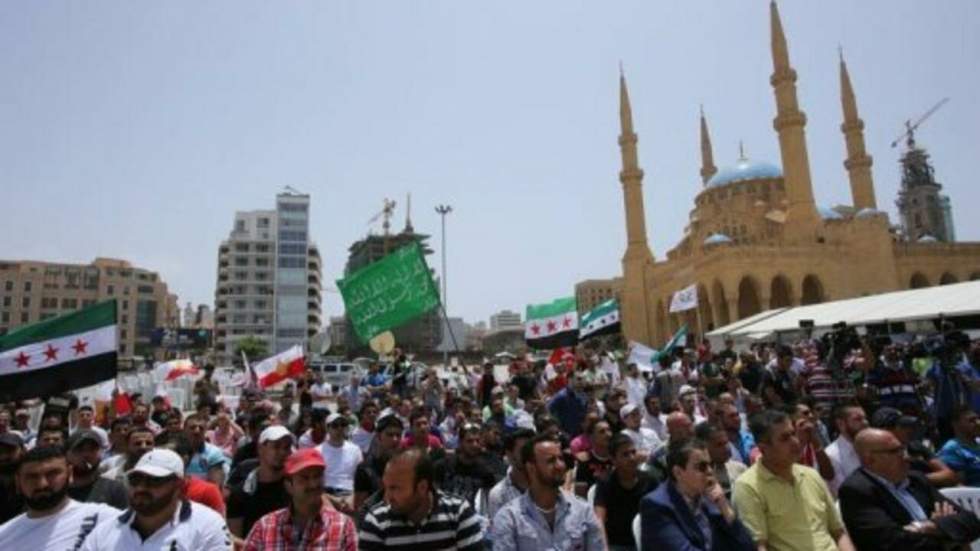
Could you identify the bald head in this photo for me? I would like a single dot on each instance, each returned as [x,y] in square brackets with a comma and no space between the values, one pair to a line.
[869,440]
[679,426]
[882,453]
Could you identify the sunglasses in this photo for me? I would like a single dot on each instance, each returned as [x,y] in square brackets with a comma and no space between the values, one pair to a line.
[151,482]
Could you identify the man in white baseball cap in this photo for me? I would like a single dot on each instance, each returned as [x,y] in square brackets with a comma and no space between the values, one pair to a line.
[263,490]
[159,516]
[645,439]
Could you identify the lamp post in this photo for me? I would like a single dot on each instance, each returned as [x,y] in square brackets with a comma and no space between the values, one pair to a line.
[442,211]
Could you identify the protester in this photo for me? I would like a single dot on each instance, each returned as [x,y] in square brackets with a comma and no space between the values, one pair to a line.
[546,517]
[617,497]
[514,482]
[86,421]
[569,405]
[595,464]
[342,458]
[653,417]
[690,511]
[850,420]
[367,477]
[209,462]
[11,452]
[139,440]
[464,473]
[225,435]
[725,469]
[645,440]
[962,453]
[84,451]
[159,516]
[263,490]
[196,489]
[414,512]
[363,435]
[921,456]
[308,523]
[52,520]
[776,493]
[887,506]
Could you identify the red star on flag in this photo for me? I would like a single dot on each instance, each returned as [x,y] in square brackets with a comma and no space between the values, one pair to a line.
[536,329]
[79,347]
[566,323]
[22,359]
[51,354]
[552,326]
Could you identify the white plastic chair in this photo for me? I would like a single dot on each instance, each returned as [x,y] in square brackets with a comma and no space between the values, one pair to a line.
[967,498]
[637,530]
[590,496]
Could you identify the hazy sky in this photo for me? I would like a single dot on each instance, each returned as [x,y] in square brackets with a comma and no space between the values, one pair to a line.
[137,129]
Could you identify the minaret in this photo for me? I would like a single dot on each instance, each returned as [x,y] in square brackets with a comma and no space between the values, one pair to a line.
[858,162]
[408,215]
[638,259]
[708,168]
[802,219]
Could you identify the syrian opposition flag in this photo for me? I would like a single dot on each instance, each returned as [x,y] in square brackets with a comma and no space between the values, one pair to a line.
[601,320]
[552,325]
[59,354]
[284,365]
[176,368]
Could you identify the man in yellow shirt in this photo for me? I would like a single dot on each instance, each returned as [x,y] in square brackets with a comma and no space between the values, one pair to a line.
[786,506]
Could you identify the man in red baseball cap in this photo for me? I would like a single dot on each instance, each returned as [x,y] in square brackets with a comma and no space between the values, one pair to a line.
[322,528]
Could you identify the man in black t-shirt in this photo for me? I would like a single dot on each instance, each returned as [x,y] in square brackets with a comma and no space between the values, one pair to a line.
[617,498]
[84,449]
[464,473]
[368,488]
[263,490]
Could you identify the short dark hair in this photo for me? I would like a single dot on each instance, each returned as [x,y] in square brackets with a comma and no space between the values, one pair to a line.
[124,420]
[138,429]
[389,421]
[180,443]
[784,351]
[365,405]
[86,407]
[467,428]
[619,440]
[256,419]
[416,413]
[511,439]
[423,467]
[959,412]
[840,410]
[527,452]
[41,453]
[761,423]
[678,453]
[705,429]
[544,422]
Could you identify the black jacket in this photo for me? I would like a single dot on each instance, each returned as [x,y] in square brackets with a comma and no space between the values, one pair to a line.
[875,518]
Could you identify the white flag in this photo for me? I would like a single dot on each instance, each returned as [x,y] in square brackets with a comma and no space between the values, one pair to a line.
[685,299]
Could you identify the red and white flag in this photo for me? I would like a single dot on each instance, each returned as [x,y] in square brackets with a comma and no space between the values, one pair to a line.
[177,368]
[284,365]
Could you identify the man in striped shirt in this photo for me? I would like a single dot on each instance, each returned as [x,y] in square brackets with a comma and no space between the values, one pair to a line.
[414,513]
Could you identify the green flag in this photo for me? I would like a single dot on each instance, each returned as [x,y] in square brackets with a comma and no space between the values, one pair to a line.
[388,293]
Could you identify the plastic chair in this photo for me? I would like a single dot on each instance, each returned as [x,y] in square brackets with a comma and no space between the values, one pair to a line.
[636,531]
[967,498]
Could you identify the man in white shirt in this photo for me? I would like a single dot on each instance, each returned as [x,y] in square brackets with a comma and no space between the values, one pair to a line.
[86,421]
[635,384]
[320,391]
[645,440]
[850,420]
[342,458]
[159,517]
[53,520]
[363,435]
[653,418]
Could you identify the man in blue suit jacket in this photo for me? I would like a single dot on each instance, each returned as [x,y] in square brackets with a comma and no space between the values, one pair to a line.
[689,511]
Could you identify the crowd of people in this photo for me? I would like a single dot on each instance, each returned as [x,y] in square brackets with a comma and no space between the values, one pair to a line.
[820,445]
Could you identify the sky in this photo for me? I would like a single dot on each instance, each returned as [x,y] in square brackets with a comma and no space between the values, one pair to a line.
[135,130]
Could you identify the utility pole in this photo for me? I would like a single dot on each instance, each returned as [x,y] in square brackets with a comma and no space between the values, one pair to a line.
[442,211]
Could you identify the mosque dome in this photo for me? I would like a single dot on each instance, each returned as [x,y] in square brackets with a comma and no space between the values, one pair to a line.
[867,213]
[744,169]
[717,239]
[928,239]
[828,213]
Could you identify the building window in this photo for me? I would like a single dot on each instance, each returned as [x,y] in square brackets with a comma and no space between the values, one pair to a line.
[291,262]
[145,289]
[109,290]
[23,317]
[26,302]
[68,303]
[5,317]
[122,334]
[27,286]
[125,305]
[126,290]
[9,286]
[241,262]
[263,222]
[125,318]
[6,301]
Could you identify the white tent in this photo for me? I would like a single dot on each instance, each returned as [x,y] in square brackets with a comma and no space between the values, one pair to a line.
[958,299]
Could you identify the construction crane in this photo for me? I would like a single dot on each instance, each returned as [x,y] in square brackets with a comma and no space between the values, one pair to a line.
[386,213]
[910,127]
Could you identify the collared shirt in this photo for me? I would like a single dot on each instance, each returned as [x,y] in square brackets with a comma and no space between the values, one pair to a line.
[277,531]
[657,424]
[901,492]
[844,459]
[451,524]
[501,494]
[645,440]
[963,459]
[203,461]
[66,529]
[798,515]
[193,527]
[742,448]
[520,526]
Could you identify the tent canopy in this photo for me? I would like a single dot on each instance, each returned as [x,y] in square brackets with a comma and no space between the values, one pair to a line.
[958,299]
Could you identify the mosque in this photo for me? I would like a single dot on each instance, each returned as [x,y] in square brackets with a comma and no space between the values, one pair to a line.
[757,240]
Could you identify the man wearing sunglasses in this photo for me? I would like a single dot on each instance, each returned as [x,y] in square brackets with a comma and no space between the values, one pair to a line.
[887,506]
[159,516]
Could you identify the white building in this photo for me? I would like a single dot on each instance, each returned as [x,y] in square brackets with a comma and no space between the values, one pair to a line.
[505,319]
[268,279]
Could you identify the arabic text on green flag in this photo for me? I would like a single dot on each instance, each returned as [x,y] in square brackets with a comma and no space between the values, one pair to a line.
[388,293]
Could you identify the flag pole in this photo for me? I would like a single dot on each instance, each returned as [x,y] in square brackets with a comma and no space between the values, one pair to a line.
[697,309]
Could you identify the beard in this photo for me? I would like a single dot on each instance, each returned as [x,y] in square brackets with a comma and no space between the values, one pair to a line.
[47,500]
[83,469]
[145,504]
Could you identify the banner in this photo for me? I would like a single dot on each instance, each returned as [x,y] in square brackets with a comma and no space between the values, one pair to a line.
[685,299]
[388,293]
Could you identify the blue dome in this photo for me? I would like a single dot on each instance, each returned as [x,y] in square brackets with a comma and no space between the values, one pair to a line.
[744,169]
[829,214]
[717,239]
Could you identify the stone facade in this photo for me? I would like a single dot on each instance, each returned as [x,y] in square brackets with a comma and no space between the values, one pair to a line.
[756,239]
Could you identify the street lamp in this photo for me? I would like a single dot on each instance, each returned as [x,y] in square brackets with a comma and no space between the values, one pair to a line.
[442,211]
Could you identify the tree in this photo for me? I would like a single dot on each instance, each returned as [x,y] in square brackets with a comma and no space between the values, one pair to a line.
[254,348]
